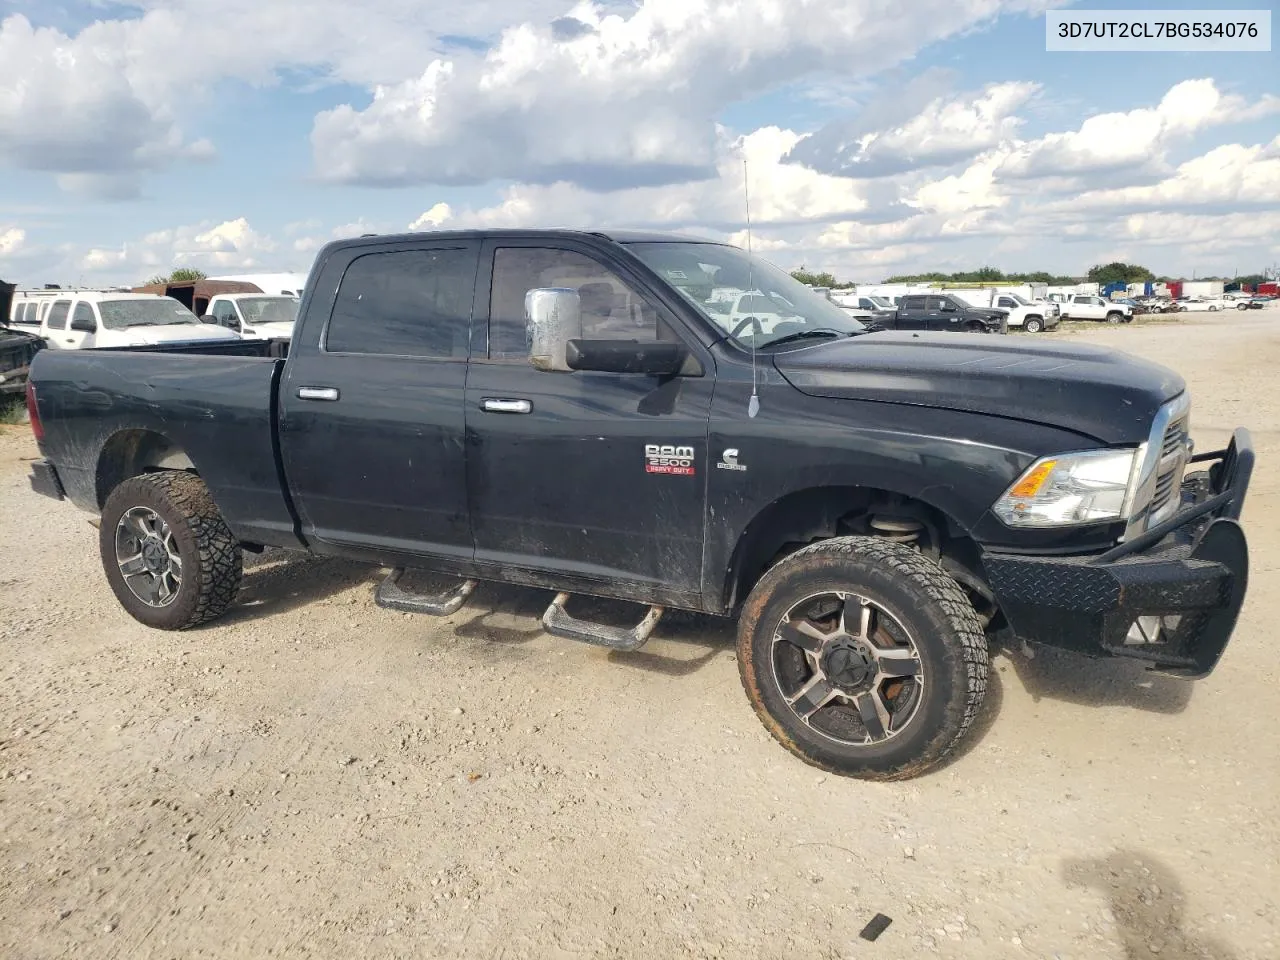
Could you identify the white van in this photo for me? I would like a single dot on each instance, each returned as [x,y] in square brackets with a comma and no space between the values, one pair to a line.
[254,315]
[86,320]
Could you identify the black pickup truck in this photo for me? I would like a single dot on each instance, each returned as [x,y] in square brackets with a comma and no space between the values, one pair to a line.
[17,349]
[567,410]
[945,313]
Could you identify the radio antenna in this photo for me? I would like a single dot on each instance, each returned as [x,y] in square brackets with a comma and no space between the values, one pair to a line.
[753,405]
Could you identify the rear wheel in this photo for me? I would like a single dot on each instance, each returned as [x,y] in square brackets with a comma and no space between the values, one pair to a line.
[168,555]
[1033,325]
[862,657]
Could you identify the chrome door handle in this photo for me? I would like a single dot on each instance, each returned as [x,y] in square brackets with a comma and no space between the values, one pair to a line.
[506,406]
[317,393]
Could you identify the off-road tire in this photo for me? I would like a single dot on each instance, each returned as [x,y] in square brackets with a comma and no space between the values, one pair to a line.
[1033,325]
[924,599]
[212,563]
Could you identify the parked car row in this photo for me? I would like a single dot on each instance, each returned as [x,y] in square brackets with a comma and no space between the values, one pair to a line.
[86,319]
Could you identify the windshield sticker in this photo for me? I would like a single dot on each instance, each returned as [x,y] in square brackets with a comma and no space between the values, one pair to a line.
[677,275]
[675,461]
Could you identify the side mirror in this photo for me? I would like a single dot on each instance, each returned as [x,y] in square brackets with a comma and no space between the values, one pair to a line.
[656,358]
[553,317]
[209,318]
[82,325]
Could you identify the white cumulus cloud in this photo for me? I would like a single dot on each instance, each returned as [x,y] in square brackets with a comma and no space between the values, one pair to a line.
[609,100]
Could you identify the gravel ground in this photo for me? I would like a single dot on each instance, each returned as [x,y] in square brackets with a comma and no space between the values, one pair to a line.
[314,776]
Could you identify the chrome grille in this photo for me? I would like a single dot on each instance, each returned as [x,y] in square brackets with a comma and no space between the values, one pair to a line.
[1175,438]
[1167,452]
[1174,452]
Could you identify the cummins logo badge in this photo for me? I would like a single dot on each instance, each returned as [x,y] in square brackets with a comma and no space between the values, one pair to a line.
[659,458]
[729,460]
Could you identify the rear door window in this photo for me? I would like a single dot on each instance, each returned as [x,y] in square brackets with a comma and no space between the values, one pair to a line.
[913,304]
[405,303]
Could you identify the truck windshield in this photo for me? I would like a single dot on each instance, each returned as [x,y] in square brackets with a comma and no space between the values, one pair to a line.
[160,312]
[269,309]
[1018,299]
[744,296]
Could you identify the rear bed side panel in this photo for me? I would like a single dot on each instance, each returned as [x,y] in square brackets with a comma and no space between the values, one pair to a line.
[218,410]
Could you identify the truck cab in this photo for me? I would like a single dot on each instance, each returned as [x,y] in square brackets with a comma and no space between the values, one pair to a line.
[944,312]
[254,314]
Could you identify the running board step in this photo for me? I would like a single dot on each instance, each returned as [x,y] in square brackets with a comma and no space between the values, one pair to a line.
[559,623]
[390,595]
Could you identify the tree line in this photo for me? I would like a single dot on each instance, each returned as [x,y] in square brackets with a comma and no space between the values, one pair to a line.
[1102,273]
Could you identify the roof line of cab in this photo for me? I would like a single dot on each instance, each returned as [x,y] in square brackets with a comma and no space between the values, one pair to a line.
[614,236]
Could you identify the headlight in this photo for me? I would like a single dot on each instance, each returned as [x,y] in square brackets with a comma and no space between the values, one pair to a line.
[1072,488]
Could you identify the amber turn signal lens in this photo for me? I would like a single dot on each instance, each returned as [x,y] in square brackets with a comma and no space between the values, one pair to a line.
[1030,485]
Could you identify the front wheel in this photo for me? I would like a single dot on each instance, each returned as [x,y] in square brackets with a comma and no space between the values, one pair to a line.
[863,657]
[1114,317]
[169,556]
[1033,325]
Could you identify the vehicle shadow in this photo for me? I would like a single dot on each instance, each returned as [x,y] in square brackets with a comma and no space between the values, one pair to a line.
[1148,904]
[1113,682]
[277,581]
[511,615]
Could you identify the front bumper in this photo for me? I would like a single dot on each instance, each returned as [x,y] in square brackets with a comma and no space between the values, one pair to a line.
[44,480]
[1170,596]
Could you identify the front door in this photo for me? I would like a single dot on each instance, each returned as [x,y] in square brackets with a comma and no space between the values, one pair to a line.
[372,417]
[598,475]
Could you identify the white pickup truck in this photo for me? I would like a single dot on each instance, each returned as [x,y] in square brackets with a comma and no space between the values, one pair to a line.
[1095,308]
[254,315]
[1031,317]
[81,321]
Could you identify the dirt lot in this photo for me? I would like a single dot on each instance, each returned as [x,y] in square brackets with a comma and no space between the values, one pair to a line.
[315,776]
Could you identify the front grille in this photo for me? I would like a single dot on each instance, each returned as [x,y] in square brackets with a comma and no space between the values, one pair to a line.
[1175,439]
[1174,450]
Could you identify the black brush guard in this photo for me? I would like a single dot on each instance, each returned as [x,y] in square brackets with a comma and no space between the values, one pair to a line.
[1170,596]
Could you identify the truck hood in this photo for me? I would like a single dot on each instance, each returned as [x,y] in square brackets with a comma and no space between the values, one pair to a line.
[1099,392]
[177,333]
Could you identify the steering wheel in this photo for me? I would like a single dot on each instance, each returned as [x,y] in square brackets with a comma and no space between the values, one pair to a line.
[759,330]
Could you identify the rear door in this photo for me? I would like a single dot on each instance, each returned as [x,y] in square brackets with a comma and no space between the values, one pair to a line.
[912,313]
[372,416]
[597,475]
[54,329]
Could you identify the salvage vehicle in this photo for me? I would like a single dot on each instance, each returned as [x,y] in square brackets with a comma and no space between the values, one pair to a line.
[82,321]
[254,314]
[1028,316]
[1096,308]
[875,509]
[944,312]
[18,348]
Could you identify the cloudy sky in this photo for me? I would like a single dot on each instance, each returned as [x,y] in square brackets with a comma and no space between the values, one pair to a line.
[880,136]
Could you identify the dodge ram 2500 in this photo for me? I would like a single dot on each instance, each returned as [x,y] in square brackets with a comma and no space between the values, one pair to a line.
[572,411]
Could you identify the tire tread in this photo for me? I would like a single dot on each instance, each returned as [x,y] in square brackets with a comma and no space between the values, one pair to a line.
[928,577]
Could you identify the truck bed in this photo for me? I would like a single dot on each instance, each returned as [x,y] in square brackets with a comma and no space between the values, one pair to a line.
[104,411]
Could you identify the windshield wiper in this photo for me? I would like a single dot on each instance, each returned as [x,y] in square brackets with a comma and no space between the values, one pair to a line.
[805,334]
